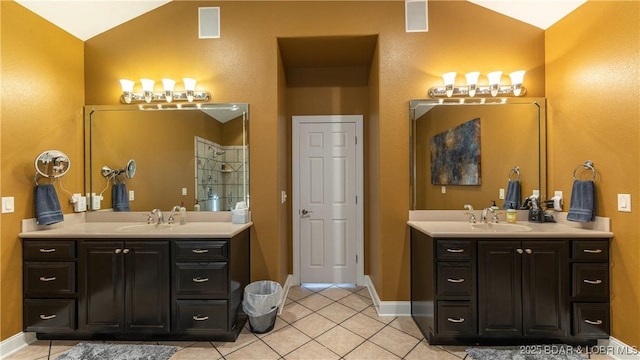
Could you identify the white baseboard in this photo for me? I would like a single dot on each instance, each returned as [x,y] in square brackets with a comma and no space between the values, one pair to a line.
[285,292]
[15,343]
[387,308]
[616,349]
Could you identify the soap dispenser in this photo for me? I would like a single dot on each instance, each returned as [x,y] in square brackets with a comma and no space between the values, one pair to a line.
[183,214]
[512,215]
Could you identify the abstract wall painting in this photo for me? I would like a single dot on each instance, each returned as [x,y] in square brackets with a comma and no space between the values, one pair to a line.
[455,155]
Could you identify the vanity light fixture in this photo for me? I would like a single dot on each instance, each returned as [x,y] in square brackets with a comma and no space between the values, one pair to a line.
[495,88]
[190,94]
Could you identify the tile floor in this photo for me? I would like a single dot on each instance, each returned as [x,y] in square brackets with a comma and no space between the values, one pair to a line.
[320,322]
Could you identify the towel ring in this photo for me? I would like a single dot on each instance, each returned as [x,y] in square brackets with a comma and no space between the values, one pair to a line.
[516,172]
[588,165]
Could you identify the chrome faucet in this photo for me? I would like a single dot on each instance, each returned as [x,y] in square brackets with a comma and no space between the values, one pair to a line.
[472,218]
[172,217]
[494,218]
[158,214]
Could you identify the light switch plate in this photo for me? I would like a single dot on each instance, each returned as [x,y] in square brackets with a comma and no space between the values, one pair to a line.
[624,202]
[8,205]
[132,195]
[184,191]
[443,189]
[283,197]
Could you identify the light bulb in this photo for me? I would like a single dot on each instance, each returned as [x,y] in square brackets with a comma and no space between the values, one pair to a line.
[472,82]
[127,89]
[449,80]
[517,77]
[190,87]
[494,82]
[147,89]
[168,85]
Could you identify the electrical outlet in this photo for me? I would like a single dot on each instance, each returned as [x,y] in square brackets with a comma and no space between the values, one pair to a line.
[443,189]
[283,197]
[501,194]
[184,191]
[132,195]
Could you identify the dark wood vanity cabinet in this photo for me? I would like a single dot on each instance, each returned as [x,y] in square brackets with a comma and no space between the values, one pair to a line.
[523,288]
[507,290]
[137,289]
[124,286]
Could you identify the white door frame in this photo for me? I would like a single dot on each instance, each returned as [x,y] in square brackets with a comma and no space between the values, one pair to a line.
[295,208]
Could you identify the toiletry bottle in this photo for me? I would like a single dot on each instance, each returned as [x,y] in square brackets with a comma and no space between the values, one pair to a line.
[196,207]
[512,215]
[183,214]
[494,206]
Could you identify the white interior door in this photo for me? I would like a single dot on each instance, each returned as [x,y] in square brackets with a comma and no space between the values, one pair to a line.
[327,218]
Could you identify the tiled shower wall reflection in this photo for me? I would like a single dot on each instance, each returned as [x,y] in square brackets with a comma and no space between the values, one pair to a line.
[220,175]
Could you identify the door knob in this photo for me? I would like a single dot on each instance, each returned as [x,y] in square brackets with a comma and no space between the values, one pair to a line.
[305,212]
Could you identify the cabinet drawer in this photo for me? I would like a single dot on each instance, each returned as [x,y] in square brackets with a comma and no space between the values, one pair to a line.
[455,318]
[591,280]
[200,250]
[454,249]
[49,315]
[202,280]
[49,279]
[193,316]
[49,250]
[590,250]
[454,279]
[591,320]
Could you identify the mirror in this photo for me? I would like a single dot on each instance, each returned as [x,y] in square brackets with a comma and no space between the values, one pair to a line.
[52,164]
[180,154]
[508,133]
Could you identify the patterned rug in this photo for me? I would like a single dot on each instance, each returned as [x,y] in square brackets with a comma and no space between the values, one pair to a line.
[89,351]
[525,352]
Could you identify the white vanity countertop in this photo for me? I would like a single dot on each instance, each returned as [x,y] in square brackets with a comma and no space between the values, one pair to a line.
[95,226]
[452,223]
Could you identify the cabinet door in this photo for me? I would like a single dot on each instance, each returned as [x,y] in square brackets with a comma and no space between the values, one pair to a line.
[499,288]
[147,286]
[545,288]
[101,269]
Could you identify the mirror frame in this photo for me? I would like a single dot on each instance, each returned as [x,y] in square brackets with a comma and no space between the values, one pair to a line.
[414,114]
[90,109]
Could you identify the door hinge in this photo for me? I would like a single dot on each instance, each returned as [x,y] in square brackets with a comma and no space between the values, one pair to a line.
[356,259]
[356,140]
[356,199]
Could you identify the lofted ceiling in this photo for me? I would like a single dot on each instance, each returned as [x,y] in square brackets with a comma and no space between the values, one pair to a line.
[85,19]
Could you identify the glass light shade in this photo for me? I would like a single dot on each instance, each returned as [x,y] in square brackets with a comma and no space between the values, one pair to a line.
[494,82]
[517,77]
[168,85]
[472,82]
[190,87]
[127,89]
[449,80]
[147,88]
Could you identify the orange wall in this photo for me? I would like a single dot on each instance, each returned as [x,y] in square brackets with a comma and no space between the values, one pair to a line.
[593,77]
[42,81]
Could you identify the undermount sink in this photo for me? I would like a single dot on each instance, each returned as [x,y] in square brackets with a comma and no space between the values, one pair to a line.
[501,227]
[138,228]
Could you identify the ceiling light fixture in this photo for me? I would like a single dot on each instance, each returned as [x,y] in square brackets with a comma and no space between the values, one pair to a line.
[190,94]
[495,88]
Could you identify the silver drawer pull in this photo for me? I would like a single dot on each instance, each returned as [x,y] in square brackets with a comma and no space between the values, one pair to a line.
[455,250]
[458,320]
[200,280]
[126,251]
[200,318]
[592,251]
[200,251]
[593,282]
[117,251]
[456,281]
[42,278]
[47,317]
[48,250]
[597,322]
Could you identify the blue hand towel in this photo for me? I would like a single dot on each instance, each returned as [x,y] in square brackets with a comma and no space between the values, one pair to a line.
[120,197]
[48,209]
[583,205]
[512,199]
